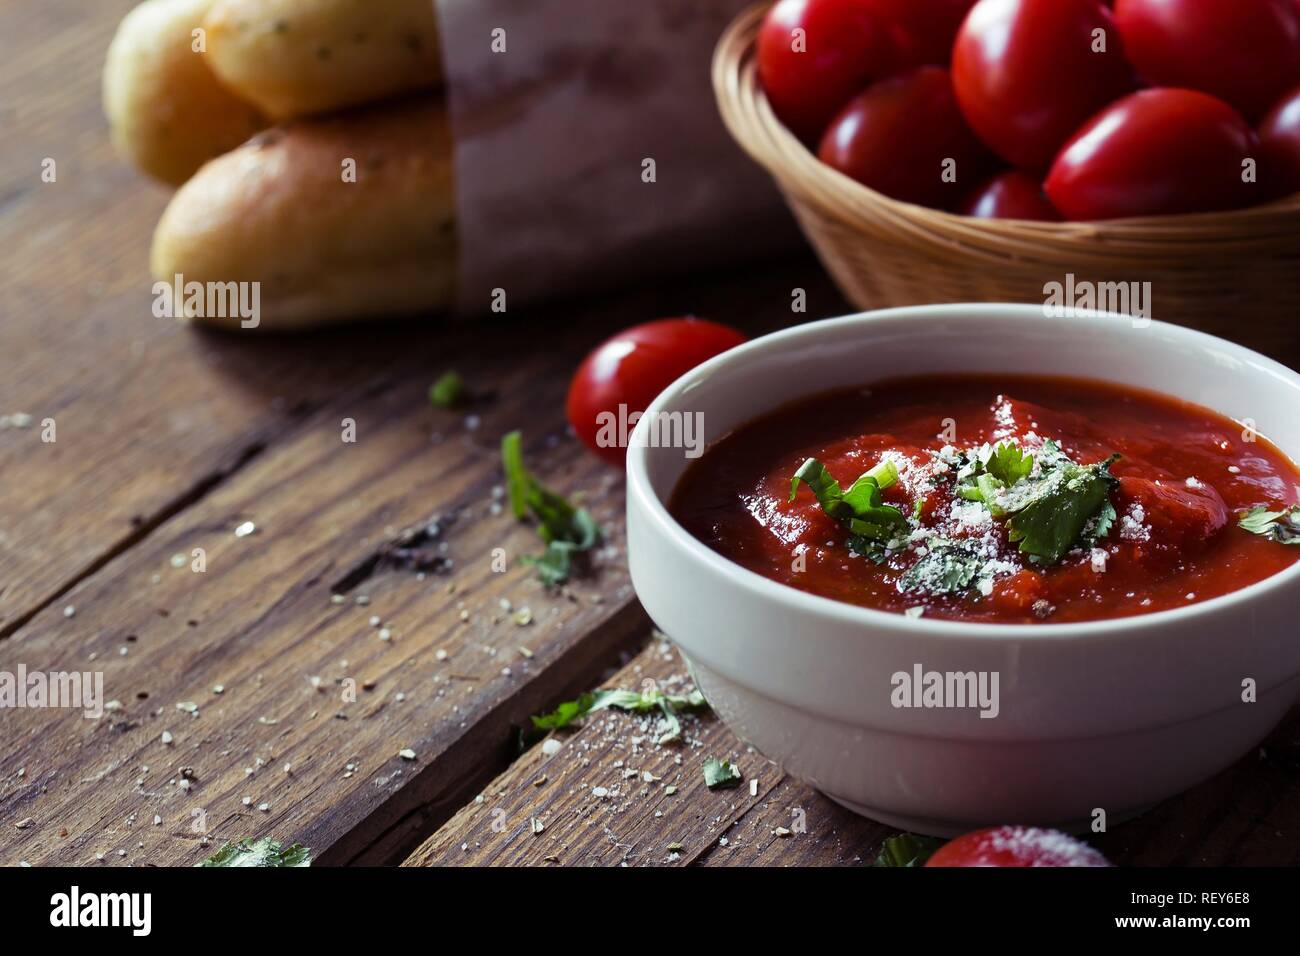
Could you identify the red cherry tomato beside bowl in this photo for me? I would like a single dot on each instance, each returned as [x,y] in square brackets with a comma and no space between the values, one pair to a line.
[1010,195]
[1156,152]
[905,137]
[1016,846]
[626,372]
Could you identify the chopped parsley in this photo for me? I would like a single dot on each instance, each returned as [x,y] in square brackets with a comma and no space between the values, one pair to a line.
[1280,526]
[566,529]
[567,713]
[907,849]
[1051,511]
[1050,505]
[722,774]
[1050,519]
[874,527]
[991,470]
[448,391]
[632,701]
[264,852]
[949,566]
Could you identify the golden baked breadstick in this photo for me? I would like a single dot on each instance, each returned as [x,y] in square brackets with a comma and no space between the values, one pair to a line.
[281,212]
[296,57]
[167,111]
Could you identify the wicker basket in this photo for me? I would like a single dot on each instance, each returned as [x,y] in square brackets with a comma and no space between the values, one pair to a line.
[1232,273]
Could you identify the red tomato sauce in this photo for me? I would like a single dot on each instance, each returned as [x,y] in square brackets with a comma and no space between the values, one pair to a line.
[1184,475]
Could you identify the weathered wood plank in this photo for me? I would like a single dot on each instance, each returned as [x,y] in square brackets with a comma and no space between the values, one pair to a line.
[167,437]
[147,414]
[264,625]
[595,804]
[1248,815]
[259,622]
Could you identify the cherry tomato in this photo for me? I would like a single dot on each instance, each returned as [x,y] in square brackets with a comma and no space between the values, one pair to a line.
[809,75]
[1009,195]
[1016,846]
[1028,72]
[1153,153]
[921,31]
[899,136]
[1246,52]
[630,369]
[1279,142]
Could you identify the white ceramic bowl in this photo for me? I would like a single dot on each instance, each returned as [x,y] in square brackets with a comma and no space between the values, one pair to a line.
[1107,715]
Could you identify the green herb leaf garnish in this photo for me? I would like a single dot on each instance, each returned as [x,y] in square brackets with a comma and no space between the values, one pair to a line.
[1052,518]
[947,567]
[1048,512]
[721,774]
[567,530]
[1006,462]
[907,849]
[448,391]
[1105,520]
[990,471]
[1280,526]
[873,526]
[632,701]
[264,852]
[567,713]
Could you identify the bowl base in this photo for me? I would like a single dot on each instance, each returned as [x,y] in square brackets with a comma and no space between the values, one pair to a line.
[948,829]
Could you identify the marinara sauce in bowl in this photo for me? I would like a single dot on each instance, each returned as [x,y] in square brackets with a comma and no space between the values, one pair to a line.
[967,565]
[1006,499]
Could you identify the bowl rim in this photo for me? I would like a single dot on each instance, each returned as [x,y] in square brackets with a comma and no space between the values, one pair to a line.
[640,493]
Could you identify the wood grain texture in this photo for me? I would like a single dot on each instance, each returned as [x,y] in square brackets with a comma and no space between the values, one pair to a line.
[167,438]
[1249,814]
[146,413]
[593,798]
[259,622]
[263,625]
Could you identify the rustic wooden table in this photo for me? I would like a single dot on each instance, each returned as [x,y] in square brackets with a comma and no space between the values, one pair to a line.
[230,712]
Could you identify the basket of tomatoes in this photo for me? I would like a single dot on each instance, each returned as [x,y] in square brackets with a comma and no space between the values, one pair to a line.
[1005,150]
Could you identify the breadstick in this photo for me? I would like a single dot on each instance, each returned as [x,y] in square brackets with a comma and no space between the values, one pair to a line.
[167,111]
[279,211]
[296,57]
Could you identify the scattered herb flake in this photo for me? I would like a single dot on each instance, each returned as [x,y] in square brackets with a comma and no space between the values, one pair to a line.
[632,701]
[721,774]
[264,852]
[448,391]
[907,849]
[567,530]
[566,714]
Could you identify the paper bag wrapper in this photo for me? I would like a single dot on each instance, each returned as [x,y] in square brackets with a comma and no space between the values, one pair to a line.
[552,136]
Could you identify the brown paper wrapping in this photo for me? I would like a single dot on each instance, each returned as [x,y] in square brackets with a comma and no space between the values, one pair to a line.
[551,136]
